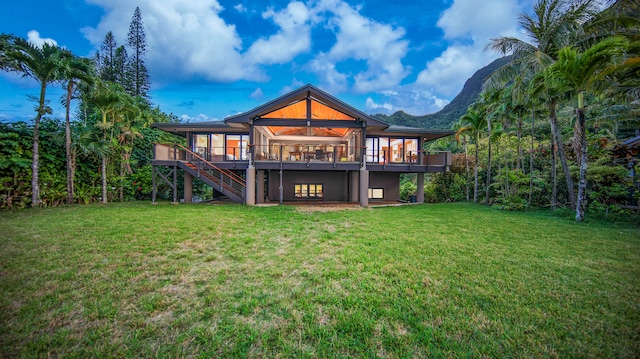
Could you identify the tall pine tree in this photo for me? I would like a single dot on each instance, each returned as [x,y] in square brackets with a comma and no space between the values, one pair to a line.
[121,65]
[105,58]
[136,39]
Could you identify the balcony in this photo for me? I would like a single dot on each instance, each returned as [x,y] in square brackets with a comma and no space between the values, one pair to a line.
[309,156]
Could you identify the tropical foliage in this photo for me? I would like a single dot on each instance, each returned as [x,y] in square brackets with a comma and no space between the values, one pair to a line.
[579,68]
[99,152]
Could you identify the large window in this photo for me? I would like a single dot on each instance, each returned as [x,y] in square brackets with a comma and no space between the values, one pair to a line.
[308,190]
[200,145]
[237,147]
[217,144]
[392,150]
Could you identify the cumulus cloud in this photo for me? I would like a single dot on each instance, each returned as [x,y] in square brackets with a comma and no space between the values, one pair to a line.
[257,94]
[185,38]
[192,40]
[380,46]
[446,74]
[198,118]
[33,37]
[295,83]
[293,38]
[481,21]
[374,107]
[412,99]
[330,78]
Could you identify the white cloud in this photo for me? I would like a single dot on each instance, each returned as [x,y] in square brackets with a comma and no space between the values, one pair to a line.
[185,38]
[257,94]
[190,39]
[379,45]
[33,37]
[374,107]
[331,79]
[295,83]
[412,99]
[198,118]
[481,21]
[293,38]
[446,74]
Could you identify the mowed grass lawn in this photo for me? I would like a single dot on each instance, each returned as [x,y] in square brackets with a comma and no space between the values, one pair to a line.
[450,280]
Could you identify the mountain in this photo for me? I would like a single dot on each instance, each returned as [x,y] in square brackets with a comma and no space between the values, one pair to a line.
[449,114]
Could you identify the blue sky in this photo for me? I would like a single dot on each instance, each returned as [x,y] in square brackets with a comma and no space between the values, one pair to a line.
[209,59]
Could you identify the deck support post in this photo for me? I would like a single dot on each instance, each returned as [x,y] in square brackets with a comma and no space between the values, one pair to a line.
[260,186]
[154,186]
[420,189]
[354,185]
[175,184]
[281,189]
[250,196]
[188,187]
[364,187]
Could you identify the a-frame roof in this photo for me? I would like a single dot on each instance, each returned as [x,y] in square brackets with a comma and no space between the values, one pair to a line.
[294,100]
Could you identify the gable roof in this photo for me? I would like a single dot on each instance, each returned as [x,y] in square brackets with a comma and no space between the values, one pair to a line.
[301,94]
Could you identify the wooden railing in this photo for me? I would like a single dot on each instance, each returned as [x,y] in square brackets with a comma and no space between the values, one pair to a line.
[225,178]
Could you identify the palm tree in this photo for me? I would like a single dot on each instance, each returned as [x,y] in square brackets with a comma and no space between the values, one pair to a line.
[75,70]
[473,124]
[461,136]
[108,99]
[578,73]
[45,65]
[489,102]
[114,106]
[553,25]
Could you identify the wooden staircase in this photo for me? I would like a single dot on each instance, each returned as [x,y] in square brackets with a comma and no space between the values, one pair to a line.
[222,180]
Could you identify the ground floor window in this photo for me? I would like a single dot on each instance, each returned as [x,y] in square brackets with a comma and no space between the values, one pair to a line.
[376,193]
[309,190]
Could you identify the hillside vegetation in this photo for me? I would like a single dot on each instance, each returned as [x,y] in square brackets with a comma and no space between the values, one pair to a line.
[451,113]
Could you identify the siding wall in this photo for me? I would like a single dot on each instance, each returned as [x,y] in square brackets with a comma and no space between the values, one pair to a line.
[390,181]
[336,185]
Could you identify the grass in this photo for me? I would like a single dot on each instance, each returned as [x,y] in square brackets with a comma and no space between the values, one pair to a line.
[450,280]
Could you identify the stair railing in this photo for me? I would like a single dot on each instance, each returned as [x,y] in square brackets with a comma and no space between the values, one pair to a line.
[229,180]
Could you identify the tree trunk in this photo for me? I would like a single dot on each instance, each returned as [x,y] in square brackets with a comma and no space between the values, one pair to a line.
[581,134]
[72,170]
[533,120]
[475,175]
[466,170]
[103,168]
[121,189]
[520,160]
[488,162]
[67,143]
[35,164]
[554,174]
[555,130]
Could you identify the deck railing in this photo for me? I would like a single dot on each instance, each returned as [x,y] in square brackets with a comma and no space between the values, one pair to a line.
[226,179]
[307,153]
[162,152]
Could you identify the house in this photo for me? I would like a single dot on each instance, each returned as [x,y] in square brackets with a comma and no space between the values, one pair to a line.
[304,146]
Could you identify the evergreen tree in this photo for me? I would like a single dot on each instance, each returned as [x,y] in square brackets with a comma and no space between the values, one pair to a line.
[136,39]
[121,67]
[106,58]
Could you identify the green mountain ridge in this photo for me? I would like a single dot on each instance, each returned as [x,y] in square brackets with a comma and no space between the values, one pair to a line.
[449,114]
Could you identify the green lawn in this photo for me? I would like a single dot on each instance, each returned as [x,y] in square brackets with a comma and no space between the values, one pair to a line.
[450,280]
